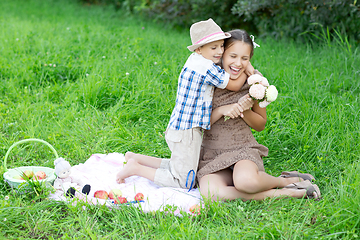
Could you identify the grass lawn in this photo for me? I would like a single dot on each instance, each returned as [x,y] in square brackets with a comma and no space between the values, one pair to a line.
[89,79]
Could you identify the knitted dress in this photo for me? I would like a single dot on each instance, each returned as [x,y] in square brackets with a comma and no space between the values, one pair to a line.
[228,142]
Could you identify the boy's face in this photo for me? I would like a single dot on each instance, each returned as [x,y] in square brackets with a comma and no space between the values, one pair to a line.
[212,51]
[236,59]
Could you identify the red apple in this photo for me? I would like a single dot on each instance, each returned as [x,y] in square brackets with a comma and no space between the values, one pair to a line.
[28,173]
[102,194]
[114,193]
[139,197]
[40,175]
[120,200]
[195,209]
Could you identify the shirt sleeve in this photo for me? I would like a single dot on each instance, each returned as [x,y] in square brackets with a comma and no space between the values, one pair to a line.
[217,77]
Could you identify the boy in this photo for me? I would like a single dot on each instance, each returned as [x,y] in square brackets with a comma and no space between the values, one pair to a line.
[191,113]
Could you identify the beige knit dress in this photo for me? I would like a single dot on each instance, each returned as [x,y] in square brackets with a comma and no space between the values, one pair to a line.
[228,142]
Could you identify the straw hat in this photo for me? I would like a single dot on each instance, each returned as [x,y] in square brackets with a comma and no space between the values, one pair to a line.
[204,32]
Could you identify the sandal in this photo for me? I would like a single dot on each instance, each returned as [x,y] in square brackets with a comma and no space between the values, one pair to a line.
[305,176]
[310,189]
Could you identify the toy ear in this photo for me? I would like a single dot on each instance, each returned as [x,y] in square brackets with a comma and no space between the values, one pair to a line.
[56,161]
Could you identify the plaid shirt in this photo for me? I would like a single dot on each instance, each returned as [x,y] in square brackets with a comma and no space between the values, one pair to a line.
[195,90]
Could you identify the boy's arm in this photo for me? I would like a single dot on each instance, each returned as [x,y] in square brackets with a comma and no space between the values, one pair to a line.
[235,85]
[250,70]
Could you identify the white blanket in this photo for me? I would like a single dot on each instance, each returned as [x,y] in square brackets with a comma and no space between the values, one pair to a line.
[100,170]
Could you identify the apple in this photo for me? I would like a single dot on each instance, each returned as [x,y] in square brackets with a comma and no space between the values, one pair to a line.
[28,173]
[18,177]
[40,175]
[120,200]
[114,193]
[102,194]
[195,209]
[139,197]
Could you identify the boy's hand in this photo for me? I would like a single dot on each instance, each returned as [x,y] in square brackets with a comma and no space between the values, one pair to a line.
[245,103]
[249,69]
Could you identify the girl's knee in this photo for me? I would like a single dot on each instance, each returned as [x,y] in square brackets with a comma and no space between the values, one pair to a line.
[246,183]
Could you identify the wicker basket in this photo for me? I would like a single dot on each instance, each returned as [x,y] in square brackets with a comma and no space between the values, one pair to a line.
[19,184]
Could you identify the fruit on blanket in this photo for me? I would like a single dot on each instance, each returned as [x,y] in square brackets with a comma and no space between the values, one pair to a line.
[28,173]
[114,193]
[195,209]
[102,194]
[120,200]
[40,175]
[18,177]
[139,196]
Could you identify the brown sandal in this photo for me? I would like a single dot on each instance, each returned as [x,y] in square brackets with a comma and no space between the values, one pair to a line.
[305,176]
[310,189]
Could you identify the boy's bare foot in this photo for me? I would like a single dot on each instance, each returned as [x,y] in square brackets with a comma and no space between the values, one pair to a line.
[129,155]
[130,169]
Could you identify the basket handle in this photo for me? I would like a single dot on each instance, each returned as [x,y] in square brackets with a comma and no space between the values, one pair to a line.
[28,140]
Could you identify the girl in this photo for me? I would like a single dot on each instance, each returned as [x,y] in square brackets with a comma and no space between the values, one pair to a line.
[231,163]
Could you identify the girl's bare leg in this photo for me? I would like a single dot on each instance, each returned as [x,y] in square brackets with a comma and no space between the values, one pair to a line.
[217,186]
[148,161]
[131,168]
[248,179]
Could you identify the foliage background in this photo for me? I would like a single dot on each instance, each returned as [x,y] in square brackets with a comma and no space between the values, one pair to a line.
[276,18]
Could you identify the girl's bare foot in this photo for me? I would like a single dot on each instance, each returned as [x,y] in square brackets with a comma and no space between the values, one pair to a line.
[130,169]
[312,191]
[290,180]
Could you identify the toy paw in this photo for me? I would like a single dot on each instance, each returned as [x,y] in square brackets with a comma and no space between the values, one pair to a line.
[70,192]
[86,189]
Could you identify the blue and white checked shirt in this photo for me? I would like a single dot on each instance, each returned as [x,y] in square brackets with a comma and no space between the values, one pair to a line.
[195,91]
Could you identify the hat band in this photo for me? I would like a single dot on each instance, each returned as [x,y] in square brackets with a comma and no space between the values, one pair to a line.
[201,40]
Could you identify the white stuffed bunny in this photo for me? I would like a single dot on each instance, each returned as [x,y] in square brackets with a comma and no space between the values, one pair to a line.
[65,182]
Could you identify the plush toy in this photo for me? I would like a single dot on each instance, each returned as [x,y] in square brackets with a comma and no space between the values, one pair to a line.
[67,183]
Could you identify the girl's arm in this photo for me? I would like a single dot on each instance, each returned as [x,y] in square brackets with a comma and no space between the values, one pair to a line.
[256,117]
[232,110]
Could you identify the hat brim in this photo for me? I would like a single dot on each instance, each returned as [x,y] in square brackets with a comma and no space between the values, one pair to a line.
[215,38]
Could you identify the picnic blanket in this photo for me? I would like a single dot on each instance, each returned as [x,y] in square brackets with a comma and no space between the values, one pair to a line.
[100,170]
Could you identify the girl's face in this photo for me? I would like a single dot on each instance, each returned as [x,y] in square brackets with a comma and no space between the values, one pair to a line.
[236,58]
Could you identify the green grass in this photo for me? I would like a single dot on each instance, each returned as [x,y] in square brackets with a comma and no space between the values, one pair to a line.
[89,104]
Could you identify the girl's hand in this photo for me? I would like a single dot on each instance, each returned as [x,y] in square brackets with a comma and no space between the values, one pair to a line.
[232,110]
[249,70]
[246,102]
